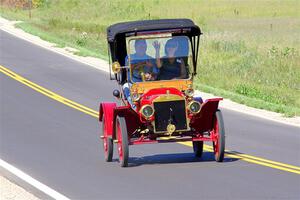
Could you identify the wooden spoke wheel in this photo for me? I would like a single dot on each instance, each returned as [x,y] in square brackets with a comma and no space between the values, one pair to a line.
[122,137]
[219,133]
[107,143]
[198,148]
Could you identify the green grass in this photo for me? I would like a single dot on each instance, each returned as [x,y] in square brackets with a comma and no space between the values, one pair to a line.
[250,50]
[62,40]
[289,111]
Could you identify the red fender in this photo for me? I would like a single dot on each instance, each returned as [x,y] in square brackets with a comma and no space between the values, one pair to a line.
[204,120]
[107,109]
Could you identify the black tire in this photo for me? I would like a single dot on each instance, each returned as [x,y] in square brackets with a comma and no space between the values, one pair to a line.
[110,146]
[122,141]
[108,142]
[198,148]
[219,155]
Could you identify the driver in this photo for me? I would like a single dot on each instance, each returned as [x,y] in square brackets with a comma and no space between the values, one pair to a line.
[143,66]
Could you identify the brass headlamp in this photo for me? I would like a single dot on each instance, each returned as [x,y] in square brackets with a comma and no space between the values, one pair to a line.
[147,111]
[194,107]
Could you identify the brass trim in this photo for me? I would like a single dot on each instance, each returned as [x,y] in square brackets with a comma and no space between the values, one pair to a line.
[166,132]
[146,117]
[179,84]
[171,128]
[190,108]
[137,98]
[172,97]
[116,67]
[168,97]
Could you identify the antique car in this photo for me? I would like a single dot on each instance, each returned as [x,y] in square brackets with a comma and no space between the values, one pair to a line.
[154,63]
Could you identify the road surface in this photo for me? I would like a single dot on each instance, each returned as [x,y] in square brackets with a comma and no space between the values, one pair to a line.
[60,146]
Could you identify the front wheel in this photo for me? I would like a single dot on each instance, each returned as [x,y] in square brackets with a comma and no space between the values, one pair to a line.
[122,137]
[219,132]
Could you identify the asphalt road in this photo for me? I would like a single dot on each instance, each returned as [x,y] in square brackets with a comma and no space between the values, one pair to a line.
[60,146]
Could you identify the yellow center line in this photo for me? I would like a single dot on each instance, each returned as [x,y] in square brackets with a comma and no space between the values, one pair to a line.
[229,152]
[91,112]
[252,159]
[49,93]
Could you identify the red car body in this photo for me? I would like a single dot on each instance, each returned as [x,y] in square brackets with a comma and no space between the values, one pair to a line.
[175,114]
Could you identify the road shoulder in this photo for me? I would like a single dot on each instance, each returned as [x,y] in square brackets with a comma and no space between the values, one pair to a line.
[10,191]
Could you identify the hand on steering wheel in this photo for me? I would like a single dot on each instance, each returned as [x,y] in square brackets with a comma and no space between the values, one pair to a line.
[148,77]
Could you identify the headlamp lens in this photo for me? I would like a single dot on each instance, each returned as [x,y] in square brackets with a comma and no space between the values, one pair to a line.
[194,106]
[147,111]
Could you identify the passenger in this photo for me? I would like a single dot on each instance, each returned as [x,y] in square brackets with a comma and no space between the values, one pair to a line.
[183,48]
[172,67]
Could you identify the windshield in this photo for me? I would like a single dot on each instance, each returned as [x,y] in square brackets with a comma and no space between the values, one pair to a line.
[155,59]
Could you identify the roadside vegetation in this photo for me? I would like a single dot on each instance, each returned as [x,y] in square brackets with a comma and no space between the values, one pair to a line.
[250,50]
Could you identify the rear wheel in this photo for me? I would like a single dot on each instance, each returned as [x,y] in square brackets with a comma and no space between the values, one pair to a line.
[122,137]
[219,131]
[198,148]
[107,143]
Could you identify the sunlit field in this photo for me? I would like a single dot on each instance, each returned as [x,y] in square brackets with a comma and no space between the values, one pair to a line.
[250,50]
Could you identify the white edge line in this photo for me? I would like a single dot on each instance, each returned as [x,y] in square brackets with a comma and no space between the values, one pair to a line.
[35,183]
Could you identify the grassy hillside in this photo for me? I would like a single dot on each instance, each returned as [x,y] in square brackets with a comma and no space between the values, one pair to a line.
[250,50]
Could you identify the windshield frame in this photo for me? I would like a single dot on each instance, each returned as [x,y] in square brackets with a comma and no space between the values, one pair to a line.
[189,65]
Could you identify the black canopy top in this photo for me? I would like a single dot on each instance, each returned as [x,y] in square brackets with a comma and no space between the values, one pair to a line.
[120,29]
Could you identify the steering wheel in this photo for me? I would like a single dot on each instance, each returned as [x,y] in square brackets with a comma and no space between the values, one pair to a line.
[139,69]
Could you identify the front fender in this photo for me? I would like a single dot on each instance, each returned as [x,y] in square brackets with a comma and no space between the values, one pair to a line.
[107,110]
[204,120]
